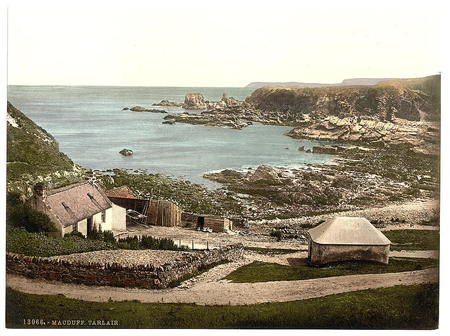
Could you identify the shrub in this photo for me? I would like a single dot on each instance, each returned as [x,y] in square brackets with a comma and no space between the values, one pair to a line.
[108,236]
[95,234]
[74,234]
[38,244]
[19,214]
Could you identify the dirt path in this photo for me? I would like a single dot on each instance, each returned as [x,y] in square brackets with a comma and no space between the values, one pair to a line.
[224,293]
[432,254]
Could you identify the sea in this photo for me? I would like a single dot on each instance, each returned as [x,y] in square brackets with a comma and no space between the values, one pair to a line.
[91,128]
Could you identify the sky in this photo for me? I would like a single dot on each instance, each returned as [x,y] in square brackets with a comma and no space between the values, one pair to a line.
[222,47]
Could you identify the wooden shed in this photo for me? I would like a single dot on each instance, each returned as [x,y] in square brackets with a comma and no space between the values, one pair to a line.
[215,223]
[153,212]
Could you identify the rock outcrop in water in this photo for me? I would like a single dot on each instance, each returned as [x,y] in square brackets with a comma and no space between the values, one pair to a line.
[194,101]
[208,119]
[126,152]
[165,102]
[143,109]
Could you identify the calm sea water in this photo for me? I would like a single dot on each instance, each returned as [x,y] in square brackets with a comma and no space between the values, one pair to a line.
[90,126]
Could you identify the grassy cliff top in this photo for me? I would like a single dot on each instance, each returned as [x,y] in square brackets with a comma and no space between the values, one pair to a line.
[32,153]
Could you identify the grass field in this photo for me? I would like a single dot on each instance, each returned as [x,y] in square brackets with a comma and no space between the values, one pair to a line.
[413,239]
[400,307]
[259,271]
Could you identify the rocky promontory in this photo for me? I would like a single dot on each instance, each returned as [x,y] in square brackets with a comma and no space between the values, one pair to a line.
[207,119]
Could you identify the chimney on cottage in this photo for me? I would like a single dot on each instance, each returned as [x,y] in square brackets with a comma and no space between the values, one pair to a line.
[90,177]
[39,190]
[39,195]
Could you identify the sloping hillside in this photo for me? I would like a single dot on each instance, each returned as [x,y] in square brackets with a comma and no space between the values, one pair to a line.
[33,155]
[430,85]
[410,99]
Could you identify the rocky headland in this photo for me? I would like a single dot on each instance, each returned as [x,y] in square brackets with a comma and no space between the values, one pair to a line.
[388,113]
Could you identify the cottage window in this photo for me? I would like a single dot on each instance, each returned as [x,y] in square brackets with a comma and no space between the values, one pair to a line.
[103,215]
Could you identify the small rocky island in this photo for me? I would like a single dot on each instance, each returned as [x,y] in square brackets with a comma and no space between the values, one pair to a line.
[143,109]
[126,152]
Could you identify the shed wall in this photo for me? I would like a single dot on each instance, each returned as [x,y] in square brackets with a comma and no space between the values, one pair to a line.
[323,254]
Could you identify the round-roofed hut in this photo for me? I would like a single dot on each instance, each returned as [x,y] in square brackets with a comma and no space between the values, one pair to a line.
[346,239]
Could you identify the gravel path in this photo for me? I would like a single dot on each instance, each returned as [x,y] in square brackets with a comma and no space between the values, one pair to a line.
[223,293]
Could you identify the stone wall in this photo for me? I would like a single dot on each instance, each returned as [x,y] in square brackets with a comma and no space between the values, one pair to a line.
[142,276]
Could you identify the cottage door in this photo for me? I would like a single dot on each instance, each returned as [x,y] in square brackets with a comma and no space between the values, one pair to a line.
[200,222]
[89,225]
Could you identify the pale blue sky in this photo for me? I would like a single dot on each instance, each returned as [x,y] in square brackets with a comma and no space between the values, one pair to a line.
[218,46]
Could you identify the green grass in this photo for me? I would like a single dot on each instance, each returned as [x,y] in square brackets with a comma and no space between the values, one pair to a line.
[262,272]
[399,307]
[40,245]
[31,150]
[413,239]
[20,241]
[269,251]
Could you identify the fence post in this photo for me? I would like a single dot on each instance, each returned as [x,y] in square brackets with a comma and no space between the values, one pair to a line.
[192,244]
[207,245]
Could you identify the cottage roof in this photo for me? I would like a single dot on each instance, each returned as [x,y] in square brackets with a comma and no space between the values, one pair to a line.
[348,231]
[123,192]
[76,202]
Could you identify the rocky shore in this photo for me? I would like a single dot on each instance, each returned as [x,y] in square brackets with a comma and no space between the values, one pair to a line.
[422,137]
[289,192]
[387,151]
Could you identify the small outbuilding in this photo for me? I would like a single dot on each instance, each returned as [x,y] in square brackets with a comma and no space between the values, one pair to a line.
[346,239]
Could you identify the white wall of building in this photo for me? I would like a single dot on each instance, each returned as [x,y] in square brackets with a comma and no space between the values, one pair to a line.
[119,217]
[114,219]
[82,227]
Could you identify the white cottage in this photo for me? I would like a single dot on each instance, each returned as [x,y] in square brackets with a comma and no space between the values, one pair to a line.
[79,207]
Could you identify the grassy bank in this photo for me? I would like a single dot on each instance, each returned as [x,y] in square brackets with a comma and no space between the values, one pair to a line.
[259,271]
[18,240]
[269,251]
[400,307]
[413,239]
[40,245]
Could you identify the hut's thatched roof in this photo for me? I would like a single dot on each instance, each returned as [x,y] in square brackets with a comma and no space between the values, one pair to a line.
[76,202]
[347,231]
[122,192]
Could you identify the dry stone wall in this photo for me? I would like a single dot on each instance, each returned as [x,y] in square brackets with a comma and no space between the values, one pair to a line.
[142,276]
